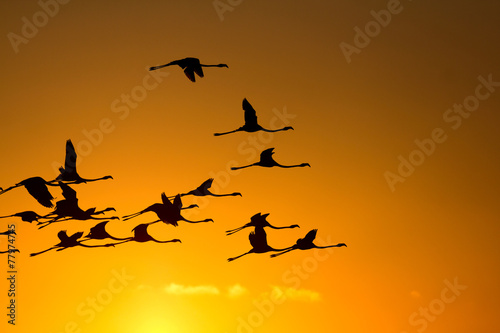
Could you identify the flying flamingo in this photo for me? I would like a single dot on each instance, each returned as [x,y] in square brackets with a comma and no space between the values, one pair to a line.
[266,160]
[67,242]
[203,190]
[68,173]
[306,243]
[68,209]
[258,240]
[141,235]
[190,67]
[259,220]
[27,216]
[167,212]
[37,187]
[99,232]
[251,124]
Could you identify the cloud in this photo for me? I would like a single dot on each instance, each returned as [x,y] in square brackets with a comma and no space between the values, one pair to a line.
[177,289]
[236,291]
[296,294]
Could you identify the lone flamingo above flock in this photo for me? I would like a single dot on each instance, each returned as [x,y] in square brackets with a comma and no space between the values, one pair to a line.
[190,67]
[266,160]
[251,124]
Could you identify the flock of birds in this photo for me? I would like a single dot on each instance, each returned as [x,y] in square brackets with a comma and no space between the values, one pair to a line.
[168,211]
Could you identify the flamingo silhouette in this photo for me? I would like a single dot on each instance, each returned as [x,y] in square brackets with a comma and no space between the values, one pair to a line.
[68,209]
[67,242]
[68,173]
[266,160]
[251,124]
[99,232]
[37,187]
[167,212]
[258,240]
[190,67]
[259,220]
[203,190]
[27,216]
[141,235]
[306,243]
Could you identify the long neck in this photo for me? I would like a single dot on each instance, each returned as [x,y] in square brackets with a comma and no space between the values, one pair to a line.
[276,130]
[224,133]
[325,247]
[37,253]
[289,166]
[273,227]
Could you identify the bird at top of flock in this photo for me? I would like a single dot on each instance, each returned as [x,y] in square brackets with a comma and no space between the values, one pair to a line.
[191,66]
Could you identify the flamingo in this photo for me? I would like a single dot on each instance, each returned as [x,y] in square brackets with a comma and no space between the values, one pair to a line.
[203,190]
[27,216]
[306,243]
[141,235]
[68,209]
[251,124]
[67,242]
[258,240]
[259,220]
[99,232]
[167,212]
[266,160]
[190,67]
[37,187]
[68,173]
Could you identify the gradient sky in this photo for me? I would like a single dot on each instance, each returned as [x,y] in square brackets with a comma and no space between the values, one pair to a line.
[423,248]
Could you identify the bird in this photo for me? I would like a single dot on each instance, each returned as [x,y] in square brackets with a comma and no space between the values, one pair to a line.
[266,160]
[99,232]
[190,67]
[27,216]
[141,235]
[68,209]
[167,212]
[37,187]
[68,173]
[306,243]
[259,220]
[258,240]
[251,124]
[203,190]
[68,241]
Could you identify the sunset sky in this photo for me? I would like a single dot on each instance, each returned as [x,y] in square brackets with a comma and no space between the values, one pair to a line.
[394,104]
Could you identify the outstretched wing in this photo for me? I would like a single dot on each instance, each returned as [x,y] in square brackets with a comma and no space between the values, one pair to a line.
[310,236]
[206,185]
[198,70]
[70,161]
[165,200]
[267,154]
[62,235]
[258,238]
[190,73]
[250,114]
[177,202]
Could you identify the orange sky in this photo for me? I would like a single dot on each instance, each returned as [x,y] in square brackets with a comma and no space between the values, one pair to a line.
[421,86]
